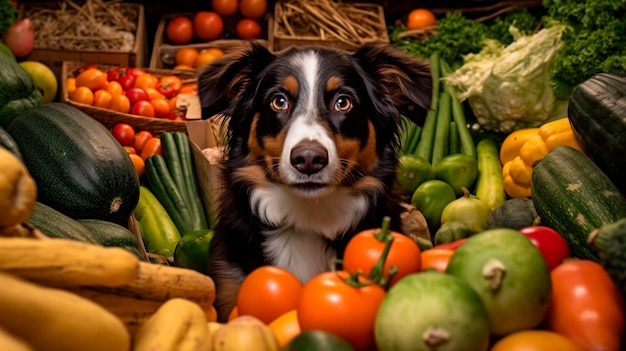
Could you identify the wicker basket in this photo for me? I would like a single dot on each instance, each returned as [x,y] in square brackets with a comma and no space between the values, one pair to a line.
[110,118]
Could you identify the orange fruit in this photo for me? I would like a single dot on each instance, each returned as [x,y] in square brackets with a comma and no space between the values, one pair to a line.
[92,78]
[285,327]
[208,25]
[102,98]
[225,7]
[138,163]
[71,84]
[120,103]
[207,56]
[254,9]
[82,95]
[248,29]
[183,67]
[420,18]
[179,30]
[186,56]
[161,107]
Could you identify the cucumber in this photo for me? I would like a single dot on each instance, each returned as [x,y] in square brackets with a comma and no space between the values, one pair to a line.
[573,196]
[431,303]
[112,234]
[489,183]
[55,224]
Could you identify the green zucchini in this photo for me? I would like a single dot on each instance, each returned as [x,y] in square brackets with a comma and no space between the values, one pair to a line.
[573,196]
[489,186]
[191,186]
[112,234]
[55,224]
[80,169]
[158,232]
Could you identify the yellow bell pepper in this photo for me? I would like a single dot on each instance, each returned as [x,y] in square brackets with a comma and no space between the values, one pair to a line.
[537,142]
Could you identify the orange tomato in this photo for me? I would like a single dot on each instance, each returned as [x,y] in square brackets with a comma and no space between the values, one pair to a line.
[225,7]
[114,88]
[161,107]
[207,56]
[171,81]
[420,19]
[154,94]
[102,98]
[248,29]
[172,102]
[285,327]
[138,163]
[92,78]
[140,140]
[119,103]
[208,25]
[151,147]
[268,292]
[535,340]
[189,88]
[182,67]
[186,56]
[255,9]
[179,30]
[586,307]
[146,80]
[82,95]
[70,84]
[435,259]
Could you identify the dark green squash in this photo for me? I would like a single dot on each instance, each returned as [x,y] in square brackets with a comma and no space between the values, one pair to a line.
[574,197]
[55,224]
[7,142]
[515,213]
[111,234]
[79,167]
[17,90]
[597,113]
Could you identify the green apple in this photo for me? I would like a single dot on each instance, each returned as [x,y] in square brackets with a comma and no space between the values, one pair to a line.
[44,79]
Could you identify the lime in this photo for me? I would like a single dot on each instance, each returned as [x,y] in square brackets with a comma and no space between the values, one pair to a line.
[413,171]
[317,340]
[431,197]
[458,170]
[192,251]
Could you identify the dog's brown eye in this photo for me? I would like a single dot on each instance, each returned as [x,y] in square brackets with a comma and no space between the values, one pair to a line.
[343,104]
[279,103]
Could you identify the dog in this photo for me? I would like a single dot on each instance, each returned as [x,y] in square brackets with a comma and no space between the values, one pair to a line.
[312,148]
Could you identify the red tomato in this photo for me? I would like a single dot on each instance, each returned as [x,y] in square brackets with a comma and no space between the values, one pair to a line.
[225,7]
[364,250]
[268,292]
[140,139]
[143,108]
[152,147]
[586,306]
[124,133]
[248,29]
[254,9]
[137,94]
[451,246]
[436,258]
[171,82]
[331,304]
[179,30]
[208,25]
[553,246]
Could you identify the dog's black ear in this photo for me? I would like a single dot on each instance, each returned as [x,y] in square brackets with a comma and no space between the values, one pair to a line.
[222,82]
[405,80]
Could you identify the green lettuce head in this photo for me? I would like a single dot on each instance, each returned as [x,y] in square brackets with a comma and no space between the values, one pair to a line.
[509,88]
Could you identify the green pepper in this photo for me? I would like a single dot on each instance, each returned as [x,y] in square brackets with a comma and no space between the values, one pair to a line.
[17,90]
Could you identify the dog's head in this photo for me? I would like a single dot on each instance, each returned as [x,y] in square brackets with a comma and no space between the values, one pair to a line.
[315,118]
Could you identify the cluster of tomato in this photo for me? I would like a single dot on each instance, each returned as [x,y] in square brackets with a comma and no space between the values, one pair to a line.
[129,90]
[586,306]
[209,25]
[139,145]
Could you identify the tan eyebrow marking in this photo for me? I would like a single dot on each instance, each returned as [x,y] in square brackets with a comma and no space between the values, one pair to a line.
[333,83]
[290,83]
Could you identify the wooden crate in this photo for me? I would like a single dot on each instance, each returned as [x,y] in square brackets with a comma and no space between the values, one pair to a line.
[54,58]
[279,38]
[109,118]
[163,53]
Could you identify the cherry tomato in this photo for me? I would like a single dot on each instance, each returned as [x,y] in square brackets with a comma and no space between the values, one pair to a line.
[141,138]
[171,82]
[115,73]
[146,80]
[120,103]
[138,163]
[76,72]
[189,88]
[130,150]
[225,7]
[248,29]
[268,292]
[328,302]
[102,98]
[586,306]
[82,95]
[153,93]
[208,25]
[92,78]
[151,147]
[420,19]
[143,108]
[179,30]
[553,246]
[114,88]
[127,81]
[535,340]
[124,133]
[365,249]
[255,9]
[136,94]
[71,84]
[436,259]
[136,71]
[161,107]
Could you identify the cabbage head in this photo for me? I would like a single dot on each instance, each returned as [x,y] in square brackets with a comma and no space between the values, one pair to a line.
[508,87]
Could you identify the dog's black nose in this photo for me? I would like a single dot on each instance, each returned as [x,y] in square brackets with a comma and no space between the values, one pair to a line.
[309,157]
